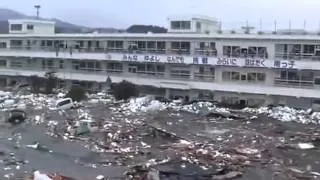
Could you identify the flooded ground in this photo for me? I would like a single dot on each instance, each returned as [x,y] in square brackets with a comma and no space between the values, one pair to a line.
[153,140]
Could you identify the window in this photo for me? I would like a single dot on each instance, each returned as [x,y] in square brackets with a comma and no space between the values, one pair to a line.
[16,27]
[317,80]
[175,25]
[16,64]
[82,65]
[141,45]
[229,100]
[185,25]
[114,44]
[115,66]
[308,49]
[151,44]
[98,65]
[49,43]
[119,44]
[90,65]
[235,75]
[61,64]
[3,63]
[198,26]
[252,76]
[227,75]
[161,45]
[29,27]
[243,77]
[15,43]
[180,25]
[50,63]
[175,45]
[261,76]
[160,68]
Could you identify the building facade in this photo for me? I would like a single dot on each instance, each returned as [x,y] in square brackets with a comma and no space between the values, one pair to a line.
[195,59]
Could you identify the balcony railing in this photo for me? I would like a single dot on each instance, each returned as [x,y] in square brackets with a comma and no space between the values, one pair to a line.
[296,56]
[204,77]
[206,52]
[236,55]
[99,50]
[293,83]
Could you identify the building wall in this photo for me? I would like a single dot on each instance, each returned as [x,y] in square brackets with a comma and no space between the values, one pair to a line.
[39,27]
[43,29]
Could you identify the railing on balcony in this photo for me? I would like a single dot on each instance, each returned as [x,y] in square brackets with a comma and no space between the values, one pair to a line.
[296,56]
[293,83]
[180,75]
[100,50]
[179,51]
[204,77]
[206,52]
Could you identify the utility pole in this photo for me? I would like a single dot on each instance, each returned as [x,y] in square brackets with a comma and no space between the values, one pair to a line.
[38,8]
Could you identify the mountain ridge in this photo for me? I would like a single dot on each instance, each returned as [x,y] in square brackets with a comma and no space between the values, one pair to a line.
[66,27]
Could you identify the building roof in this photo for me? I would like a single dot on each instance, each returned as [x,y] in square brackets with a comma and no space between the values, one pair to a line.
[190,17]
[35,21]
[307,37]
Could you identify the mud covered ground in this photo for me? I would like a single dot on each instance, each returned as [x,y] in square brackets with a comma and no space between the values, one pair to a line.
[165,142]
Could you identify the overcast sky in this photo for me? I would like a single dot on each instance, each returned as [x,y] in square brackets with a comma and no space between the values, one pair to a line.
[122,13]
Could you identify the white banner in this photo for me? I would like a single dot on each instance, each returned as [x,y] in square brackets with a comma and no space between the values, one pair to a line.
[215,61]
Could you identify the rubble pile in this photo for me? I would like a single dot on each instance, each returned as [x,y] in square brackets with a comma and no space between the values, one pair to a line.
[157,140]
[287,114]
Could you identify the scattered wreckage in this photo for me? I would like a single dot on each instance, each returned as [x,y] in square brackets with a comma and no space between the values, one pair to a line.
[14,116]
[178,143]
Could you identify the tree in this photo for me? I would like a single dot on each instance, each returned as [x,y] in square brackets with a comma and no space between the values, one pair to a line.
[50,82]
[77,93]
[124,90]
[108,84]
[36,83]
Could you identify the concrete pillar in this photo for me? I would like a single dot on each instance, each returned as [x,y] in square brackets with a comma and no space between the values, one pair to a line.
[68,84]
[168,47]
[167,93]
[167,70]
[125,45]
[192,70]
[192,47]
[125,68]
[8,81]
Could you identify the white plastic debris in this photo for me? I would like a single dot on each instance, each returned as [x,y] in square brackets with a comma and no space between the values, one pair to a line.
[287,114]
[61,95]
[100,177]
[33,146]
[247,151]
[39,176]
[184,142]
[306,146]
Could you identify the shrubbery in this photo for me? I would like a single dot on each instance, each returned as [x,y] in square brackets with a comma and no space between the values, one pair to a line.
[48,83]
[77,93]
[36,83]
[124,90]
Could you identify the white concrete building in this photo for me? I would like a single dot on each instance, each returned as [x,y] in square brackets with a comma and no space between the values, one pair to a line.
[28,26]
[192,24]
[230,67]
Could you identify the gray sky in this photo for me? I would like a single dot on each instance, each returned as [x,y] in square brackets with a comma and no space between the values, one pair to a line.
[122,13]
